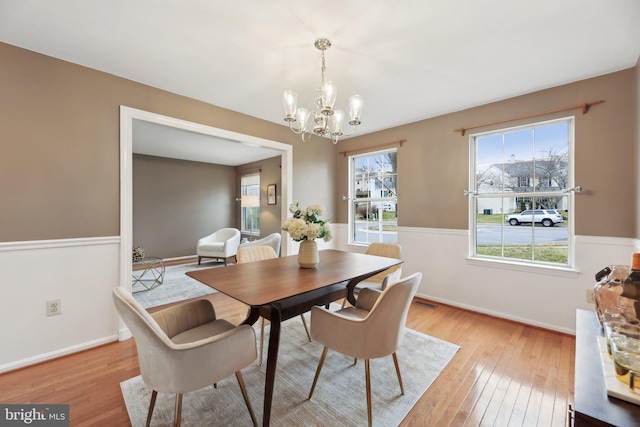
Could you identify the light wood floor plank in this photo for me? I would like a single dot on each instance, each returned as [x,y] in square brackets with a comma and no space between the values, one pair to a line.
[505,373]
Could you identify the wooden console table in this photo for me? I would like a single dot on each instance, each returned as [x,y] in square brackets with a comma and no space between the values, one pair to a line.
[593,407]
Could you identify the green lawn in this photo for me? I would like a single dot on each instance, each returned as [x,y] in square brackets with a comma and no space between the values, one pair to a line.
[556,253]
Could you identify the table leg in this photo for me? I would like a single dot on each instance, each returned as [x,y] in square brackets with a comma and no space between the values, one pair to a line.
[272,361]
[252,316]
[351,286]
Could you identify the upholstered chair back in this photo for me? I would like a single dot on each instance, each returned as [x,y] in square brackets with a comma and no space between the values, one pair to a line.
[387,250]
[375,329]
[255,253]
[274,240]
[185,348]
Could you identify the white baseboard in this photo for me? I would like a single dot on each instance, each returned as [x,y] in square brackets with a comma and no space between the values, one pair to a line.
[55,354]
[498,314]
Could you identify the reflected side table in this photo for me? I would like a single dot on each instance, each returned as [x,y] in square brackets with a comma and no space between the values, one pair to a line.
[148,273]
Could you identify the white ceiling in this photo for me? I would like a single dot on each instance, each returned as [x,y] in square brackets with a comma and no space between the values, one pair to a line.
[154,139]
[409,59]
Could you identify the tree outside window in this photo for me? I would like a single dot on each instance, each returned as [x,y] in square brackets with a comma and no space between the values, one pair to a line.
[517,170]
[374,197]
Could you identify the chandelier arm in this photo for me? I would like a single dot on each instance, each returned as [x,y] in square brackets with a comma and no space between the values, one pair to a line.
[353,130]
[296,131]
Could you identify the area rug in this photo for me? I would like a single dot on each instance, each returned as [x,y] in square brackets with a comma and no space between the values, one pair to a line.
[176,286]
[338,400]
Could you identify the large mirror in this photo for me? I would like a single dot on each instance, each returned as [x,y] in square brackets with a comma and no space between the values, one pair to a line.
[149,134]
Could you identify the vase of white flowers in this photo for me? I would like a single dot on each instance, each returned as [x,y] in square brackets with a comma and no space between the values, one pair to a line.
[305,226]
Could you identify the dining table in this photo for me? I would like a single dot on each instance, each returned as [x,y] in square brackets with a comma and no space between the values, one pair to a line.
[279,289]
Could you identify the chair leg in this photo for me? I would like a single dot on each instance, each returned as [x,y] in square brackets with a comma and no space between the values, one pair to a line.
[199,259]
[367,372]
[261,341]
[315,379]
[395,361]
[306,328]
[246,398]
[178,411]
[152,405]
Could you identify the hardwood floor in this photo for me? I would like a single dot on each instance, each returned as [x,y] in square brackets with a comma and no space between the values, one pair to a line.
[505,374]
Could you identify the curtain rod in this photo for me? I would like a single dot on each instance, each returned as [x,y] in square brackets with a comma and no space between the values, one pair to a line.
[585,108]
[400,141]
[249,171]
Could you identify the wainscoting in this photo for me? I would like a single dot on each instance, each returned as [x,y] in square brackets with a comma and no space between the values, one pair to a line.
[541,297]
[83,272]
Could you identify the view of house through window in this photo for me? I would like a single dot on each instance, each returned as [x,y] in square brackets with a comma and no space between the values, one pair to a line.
[250,204]
[373,197]
[521,204]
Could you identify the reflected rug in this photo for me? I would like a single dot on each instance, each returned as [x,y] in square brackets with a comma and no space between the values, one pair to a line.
[339,398]
[176,286]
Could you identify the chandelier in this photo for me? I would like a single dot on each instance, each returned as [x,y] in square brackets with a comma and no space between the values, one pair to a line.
[324,120]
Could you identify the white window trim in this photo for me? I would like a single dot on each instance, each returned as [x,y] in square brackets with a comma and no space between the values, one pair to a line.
[352,195]
[243,222]
[509,263]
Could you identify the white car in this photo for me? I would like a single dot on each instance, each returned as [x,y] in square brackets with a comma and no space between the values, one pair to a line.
[546,217]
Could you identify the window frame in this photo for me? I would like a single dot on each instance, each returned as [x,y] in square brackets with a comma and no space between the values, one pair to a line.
[569,192]
[353,199]
[255,228]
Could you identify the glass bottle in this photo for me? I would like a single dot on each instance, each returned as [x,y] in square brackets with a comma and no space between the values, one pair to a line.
[607,292]
[631,285]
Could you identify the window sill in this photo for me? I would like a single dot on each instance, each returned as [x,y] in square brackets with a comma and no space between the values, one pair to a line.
[521,266]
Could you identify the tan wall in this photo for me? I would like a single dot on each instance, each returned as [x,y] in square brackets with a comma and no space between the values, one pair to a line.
[176,202]
[59,150]
[433,164]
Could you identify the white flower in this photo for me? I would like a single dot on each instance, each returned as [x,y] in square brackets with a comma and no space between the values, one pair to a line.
[316,209]
[306,223]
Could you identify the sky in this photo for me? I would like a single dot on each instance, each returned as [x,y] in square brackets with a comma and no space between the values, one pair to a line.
[523,144]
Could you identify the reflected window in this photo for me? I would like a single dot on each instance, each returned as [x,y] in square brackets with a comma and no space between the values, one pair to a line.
[250,204]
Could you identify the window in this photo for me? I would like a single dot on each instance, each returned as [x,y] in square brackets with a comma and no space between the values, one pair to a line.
[374,197]
[521,206]
[250,204]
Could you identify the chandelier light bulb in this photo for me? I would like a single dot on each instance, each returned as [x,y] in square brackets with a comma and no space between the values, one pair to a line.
[290,105]
[336,123]
[355,109]
[323,120]
[329,93]
[302,115]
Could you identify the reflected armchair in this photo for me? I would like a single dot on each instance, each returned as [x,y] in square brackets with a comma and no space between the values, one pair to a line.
[223,244]
[185,348]
[273,240]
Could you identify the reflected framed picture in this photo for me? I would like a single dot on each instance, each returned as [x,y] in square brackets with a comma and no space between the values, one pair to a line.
[271,194]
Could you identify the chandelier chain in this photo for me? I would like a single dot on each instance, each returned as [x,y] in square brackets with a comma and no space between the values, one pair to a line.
[324,69]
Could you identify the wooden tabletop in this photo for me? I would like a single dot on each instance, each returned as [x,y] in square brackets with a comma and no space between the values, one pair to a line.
[262,282]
